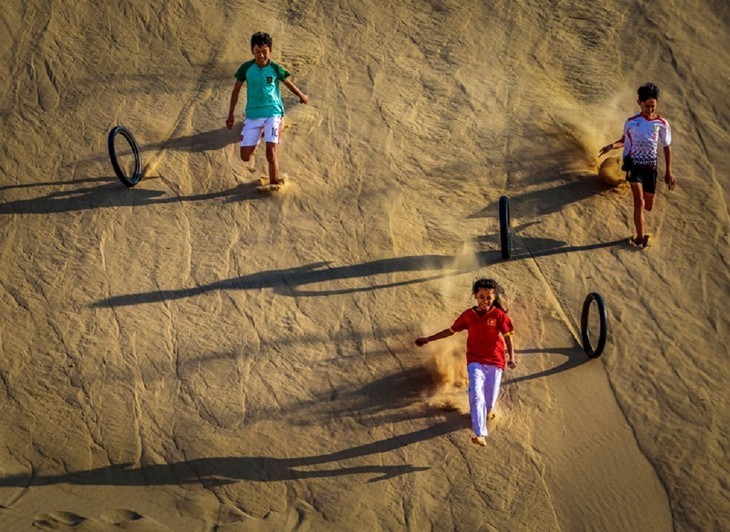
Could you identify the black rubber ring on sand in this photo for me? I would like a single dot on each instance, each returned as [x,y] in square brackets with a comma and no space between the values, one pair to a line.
[603,317]
[128,180]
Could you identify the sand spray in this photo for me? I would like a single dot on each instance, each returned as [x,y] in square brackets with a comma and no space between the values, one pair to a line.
[447,364]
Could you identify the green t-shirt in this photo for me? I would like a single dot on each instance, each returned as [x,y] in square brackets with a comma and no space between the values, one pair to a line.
[263,99]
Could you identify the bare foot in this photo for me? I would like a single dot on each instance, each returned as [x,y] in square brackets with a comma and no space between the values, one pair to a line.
[639,242]
[479,440]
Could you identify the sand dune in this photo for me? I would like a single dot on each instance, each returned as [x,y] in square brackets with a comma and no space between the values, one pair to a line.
[191,355]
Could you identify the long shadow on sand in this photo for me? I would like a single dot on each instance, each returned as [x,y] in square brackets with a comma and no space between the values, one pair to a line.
[288,281]
[109,194]
[575,357]
[524,247]
[547,201]
[213,140]
[205,141]
[218,471]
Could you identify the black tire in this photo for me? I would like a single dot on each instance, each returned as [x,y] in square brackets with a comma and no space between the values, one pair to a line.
[119,138]
[505,233]
[585,334]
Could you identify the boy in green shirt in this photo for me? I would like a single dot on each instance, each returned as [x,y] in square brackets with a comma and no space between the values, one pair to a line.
[264,108]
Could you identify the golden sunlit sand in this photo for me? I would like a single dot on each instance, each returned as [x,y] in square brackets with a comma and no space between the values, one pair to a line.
[189,354]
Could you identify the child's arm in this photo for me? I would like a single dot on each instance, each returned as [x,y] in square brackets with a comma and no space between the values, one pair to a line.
[303,98]
[234,101]
[608,147]
[438,336]
[668,175]
[511,362]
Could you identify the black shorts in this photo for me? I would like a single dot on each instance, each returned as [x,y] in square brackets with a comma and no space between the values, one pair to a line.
[646,175]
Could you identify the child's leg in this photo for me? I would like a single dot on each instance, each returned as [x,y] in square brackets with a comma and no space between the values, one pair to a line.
[247,152]
[492,380]
[250,135]
[648,201]
[477,404]
[273,162]
[272,131]
[638,194]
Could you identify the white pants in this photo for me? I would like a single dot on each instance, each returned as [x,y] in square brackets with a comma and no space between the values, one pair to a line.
[483,392]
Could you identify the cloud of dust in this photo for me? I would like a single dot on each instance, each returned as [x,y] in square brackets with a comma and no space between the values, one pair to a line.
[596,125]
[447,368]
[447,365]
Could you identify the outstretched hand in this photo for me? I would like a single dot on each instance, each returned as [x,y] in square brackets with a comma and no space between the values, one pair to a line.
[607,148]
[420,342]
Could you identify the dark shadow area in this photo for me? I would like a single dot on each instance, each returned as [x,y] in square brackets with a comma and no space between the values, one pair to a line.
[287,282]
[526,246]
[213,140]
[392,392]
[529,247]
[547,201]
[218,471]
[58,183]
[113,194]
[394,398]
[575,357]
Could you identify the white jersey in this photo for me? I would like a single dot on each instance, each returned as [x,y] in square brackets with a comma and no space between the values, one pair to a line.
[642,138]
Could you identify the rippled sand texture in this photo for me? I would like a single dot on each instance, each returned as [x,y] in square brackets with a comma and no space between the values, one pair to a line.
[190,354]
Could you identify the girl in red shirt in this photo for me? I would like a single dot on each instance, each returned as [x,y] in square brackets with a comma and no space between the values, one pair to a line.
[486,324]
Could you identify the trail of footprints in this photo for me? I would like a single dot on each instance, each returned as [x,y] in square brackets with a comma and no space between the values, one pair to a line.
[59,519]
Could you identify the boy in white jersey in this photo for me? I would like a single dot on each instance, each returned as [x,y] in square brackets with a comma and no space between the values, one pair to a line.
[641,138]
[264,108]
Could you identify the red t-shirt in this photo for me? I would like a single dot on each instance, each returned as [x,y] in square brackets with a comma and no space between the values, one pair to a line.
[484,343]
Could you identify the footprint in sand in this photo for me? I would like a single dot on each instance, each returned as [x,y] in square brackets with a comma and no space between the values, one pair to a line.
[60,520]
[54,520]
[121,516]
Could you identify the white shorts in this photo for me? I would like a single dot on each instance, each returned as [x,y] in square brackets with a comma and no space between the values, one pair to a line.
[255,128]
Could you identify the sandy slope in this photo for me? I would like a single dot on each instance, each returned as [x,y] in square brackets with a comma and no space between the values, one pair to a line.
[189,355]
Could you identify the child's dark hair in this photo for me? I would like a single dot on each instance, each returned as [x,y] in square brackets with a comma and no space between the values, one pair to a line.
[490,284]
[260,38]
[647,91]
